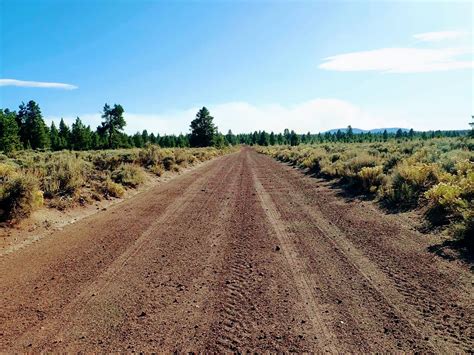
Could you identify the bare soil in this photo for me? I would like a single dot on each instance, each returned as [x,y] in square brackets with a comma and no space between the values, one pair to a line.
[241,254]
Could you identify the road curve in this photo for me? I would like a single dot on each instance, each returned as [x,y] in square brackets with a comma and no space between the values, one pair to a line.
[241,254]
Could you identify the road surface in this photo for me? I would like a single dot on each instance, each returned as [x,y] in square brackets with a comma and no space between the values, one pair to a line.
[242,253]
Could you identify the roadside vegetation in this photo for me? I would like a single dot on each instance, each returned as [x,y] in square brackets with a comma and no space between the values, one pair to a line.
[29,179]
[435,176]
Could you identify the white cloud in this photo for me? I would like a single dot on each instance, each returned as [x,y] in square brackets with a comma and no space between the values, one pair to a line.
[313,115]
[36,84]
[441,35]
[400,60]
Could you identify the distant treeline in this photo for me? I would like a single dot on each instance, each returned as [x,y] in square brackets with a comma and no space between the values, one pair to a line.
[26,129]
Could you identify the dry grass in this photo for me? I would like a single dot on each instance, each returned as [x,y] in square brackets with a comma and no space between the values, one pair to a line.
[67,178]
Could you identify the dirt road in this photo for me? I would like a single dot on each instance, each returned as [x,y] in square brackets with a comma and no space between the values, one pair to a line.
[243,253]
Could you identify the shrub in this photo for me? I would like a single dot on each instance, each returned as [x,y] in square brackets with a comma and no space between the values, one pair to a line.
[157,169]
[19,194]
[371,178]
[128,175]
[437,175]
[408,182]
[110,188]
[62,175]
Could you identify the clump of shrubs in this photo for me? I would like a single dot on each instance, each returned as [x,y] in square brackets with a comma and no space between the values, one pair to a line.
[129,175]
[68,178]
[19,194]
[435,175]
[110,188]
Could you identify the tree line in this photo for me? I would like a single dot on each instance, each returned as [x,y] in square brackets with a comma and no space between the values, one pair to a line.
[26,129]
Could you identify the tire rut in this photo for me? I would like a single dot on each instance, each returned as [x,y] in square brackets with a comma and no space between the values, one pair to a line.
[396,292]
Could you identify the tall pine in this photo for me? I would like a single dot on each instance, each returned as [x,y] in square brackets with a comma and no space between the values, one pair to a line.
[9,132]
[203,129]
[33,130]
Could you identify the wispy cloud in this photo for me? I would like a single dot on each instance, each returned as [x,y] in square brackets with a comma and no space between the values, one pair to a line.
[406,59]
[400,60]
[441,35]
[36,84]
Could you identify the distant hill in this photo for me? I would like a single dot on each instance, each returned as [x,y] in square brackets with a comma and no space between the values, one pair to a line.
[375,130]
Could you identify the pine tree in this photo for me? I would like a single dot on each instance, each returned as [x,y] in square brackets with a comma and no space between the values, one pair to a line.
[138,140]
[9,132]
[272,138]
[230,138]
[203,129]
[294,139]
[112,125]
[145,136]
[64,135]
[263,139]
[33,130]
[54,137]
[80,136]
[350,133]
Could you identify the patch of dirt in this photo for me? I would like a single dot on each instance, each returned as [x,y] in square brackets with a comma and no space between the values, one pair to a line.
[243,254]
[45,220]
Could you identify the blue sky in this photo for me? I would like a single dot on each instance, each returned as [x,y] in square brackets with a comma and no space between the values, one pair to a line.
[307,65]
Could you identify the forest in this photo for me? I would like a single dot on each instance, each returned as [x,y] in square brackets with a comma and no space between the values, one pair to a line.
[27,129]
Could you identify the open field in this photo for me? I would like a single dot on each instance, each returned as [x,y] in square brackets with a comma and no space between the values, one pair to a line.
[244,253]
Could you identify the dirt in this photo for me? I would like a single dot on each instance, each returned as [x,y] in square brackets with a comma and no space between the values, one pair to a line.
[47,220]
[242,254]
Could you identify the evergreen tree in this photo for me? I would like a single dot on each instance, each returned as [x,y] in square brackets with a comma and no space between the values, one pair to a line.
[219,141]
[255,137]
[80,136]
[230,138]
[33,130]
[385,135]
[182,141]
[9,132]
[112,125]
[280,139]
[95,140]
[203,129]
[294,138]
[263,139]
[54,137]
[145,136]
[138,140]
[272,140]
[350,133]
[64,135]
[286,136]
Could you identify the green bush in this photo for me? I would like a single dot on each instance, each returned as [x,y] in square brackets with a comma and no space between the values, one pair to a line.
[437,175]
[19,194]
[110,188]
[129,175]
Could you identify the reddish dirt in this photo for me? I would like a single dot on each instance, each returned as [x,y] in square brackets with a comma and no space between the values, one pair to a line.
[242,254]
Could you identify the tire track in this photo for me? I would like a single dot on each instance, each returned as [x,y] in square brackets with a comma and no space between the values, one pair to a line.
[305,284]
[102,281]
[394,291]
